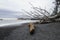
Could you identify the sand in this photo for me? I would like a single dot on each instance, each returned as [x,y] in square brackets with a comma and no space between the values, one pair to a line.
[42,32]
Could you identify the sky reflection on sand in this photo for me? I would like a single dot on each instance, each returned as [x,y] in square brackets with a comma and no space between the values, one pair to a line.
[15,22]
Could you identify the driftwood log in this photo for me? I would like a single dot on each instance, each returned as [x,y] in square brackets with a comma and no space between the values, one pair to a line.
[31,28]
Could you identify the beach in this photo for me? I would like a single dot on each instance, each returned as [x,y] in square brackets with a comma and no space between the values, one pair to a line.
[49,31]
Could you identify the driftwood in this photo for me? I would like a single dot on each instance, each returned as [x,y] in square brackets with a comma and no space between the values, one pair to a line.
[45,19]
[31,28]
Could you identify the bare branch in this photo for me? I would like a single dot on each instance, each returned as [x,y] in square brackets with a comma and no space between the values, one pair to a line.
[37,13]
[40,11]
[29,14]
[33,13]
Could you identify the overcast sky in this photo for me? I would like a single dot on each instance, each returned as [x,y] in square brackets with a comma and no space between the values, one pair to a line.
[17,5]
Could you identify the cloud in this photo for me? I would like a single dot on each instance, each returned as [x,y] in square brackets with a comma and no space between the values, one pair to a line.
[17,5]
[4,13]
[7,13]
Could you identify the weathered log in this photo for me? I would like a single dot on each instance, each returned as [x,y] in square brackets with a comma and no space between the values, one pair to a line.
[31,28]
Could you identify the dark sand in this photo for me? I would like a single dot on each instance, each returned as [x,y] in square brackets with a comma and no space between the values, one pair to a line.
[43,32]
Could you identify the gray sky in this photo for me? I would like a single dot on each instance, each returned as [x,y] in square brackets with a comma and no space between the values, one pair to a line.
[17,5]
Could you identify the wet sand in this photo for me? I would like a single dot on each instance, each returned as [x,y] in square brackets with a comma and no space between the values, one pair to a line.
[43,32]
